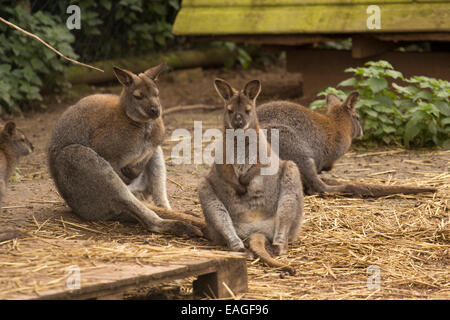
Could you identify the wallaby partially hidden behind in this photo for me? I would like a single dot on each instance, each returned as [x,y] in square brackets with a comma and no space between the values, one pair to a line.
[239,203]
[314,141]
[97,144]
[13,145]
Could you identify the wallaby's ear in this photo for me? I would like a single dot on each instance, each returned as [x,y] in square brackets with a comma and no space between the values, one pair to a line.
[333,99]
[125,77]
[154,72]
[224,89]
[351,100]
[252,89]
[9,128]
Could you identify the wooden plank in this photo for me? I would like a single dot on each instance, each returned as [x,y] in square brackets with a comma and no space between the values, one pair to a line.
[106,270]
[321,18]
[220,283]
[302,39]
[256,3]
[111,281]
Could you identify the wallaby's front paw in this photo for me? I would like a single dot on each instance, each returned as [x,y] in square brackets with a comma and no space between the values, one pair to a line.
[279,249]
[250,256]
[243,180]
[241,190]
[237,246]
[181,228]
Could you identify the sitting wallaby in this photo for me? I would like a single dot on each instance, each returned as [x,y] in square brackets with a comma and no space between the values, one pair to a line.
[98,142]
[315,141]
[240,203]
[13,145]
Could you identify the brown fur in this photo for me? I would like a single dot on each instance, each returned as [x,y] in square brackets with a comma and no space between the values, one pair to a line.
[316,141]
[13,145]
[106,150]
[240,203]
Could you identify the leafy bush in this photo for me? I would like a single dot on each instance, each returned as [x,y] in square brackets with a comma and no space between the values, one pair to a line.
[414,115]
[112,28]
[26,66]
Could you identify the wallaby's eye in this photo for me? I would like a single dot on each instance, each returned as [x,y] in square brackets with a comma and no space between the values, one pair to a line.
[247,111]
[230,111]
[138,97]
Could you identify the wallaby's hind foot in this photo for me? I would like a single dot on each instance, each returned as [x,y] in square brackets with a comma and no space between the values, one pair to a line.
[179,228]
[178,215]
[257,244]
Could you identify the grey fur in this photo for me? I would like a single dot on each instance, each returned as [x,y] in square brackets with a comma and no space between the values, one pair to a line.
[96,145]
[315,141]
[271,205]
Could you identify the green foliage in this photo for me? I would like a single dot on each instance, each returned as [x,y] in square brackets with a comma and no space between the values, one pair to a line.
[26,66]
[112,28]
[414,115]
[246,55]
[237,54]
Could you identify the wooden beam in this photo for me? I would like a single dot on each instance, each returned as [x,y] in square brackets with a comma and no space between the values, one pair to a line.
[364,46]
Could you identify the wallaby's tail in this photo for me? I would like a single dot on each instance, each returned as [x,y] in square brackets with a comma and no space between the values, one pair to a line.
[257,245]
[367,190]
[371,190]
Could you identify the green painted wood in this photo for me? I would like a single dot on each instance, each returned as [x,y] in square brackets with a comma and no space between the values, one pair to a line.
[247,3]
[294,19]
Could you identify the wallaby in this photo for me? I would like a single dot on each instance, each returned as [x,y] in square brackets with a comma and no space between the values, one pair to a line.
[314,141]
[240,203]
[98,143]
[13,145]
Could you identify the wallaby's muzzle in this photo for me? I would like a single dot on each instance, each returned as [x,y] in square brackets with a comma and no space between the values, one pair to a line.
[238,121]
[154,113]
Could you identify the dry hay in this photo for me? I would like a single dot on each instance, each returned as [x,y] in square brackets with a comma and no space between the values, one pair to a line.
[34,265]
[406,237]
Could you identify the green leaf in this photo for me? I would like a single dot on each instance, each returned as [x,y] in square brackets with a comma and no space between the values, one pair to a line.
[423,94]
[411,131]
[377,84]
[350,82]
[371,113]
[443,107]
[383,109]
[388,129]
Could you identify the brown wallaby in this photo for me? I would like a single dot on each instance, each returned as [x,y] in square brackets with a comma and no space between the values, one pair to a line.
[98,143]
[13,145]
[239,201]
[314,141]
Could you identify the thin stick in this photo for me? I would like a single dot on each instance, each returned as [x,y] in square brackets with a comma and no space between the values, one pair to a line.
[48,46]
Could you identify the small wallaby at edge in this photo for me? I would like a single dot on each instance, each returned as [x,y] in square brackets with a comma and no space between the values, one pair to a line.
[314,141]
[105,142]
[13,145]
[241,204]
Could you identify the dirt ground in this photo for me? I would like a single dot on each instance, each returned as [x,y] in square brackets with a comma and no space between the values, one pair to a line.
[407,237]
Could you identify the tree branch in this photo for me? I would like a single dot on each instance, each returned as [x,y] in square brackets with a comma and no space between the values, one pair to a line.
[48,46]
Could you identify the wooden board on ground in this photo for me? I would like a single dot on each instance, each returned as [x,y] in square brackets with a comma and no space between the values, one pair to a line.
[55,275]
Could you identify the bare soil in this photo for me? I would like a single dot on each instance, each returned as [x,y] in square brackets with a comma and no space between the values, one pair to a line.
[32,199]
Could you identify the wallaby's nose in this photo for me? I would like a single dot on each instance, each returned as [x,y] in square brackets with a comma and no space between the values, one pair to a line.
[238,121]
[154,112]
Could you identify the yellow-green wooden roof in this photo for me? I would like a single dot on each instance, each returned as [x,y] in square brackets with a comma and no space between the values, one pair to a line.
[234,17]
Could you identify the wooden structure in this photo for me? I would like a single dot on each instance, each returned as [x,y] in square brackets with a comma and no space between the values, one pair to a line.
[298,26]
[219,274]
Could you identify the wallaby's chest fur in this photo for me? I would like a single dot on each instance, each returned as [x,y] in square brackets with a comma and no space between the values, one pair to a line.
[7,164]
